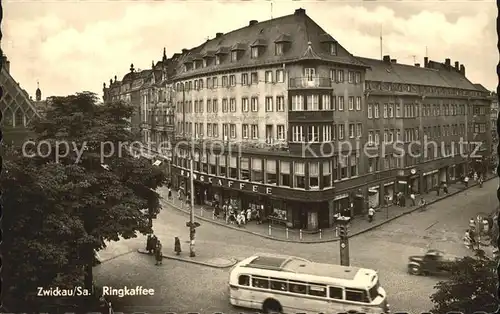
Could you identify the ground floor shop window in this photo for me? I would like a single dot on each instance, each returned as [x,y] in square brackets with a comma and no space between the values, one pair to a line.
[285,173]
[354,166]
[244,169]
[257,173]
[299,175]
[233,167]
[327,174]
[204,162]
[271,172]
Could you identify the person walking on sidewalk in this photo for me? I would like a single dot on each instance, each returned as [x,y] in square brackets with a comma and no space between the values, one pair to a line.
[423,204]
[438,189]
[371,213]
[480,182]
[445,188]
[159,253]
[413,200]
[169,196]
[466,181]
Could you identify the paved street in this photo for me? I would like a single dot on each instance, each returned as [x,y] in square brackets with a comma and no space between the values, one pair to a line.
[184,287]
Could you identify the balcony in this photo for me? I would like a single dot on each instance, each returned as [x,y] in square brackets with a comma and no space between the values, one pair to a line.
[310,82]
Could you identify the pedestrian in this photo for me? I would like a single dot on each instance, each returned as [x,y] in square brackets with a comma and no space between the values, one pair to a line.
[257,217]
[149,244]
[159,253]
[466,181]
[423,204]
[371,213]
[413,200]
[445,188]
[177,246]
[437,190]
[249,215]
[480,182]
[475,176]
[169,197]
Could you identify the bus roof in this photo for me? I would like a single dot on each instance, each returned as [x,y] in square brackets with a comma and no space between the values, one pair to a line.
[297,265]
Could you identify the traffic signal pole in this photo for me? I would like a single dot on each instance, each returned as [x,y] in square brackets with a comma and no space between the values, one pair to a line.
[344,241]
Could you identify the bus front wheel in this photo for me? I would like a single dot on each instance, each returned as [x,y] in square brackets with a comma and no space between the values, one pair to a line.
[271,306]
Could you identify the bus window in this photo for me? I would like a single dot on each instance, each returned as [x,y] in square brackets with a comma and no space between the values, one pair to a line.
[356,295]
[260,282]
[278,285]
[244,280]
[296,287]
[319,291]
[336,293]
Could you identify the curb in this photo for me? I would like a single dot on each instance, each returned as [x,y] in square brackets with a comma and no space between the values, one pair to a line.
[230,264]
[376,225]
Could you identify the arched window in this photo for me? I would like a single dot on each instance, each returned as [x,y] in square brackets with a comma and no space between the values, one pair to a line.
[19,118]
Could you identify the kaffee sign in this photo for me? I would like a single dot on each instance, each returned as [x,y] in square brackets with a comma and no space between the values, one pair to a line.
[237,185]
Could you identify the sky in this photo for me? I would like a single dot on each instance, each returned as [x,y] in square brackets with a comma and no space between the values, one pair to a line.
[73,46]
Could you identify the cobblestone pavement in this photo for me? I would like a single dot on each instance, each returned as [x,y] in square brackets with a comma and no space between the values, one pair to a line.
[184,287]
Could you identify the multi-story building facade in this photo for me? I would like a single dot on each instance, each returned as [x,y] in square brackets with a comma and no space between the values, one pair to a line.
[150,92]
[18,108]
[279,116]
[493,127]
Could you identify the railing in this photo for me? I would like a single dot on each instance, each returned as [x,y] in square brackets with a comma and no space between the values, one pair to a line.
[310,82]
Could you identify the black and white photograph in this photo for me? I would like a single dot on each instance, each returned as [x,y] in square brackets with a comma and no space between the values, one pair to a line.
[266,156]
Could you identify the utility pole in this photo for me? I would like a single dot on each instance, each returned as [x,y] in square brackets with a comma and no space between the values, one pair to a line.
[344,241]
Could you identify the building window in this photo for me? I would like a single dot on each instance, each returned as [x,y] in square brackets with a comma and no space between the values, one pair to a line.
[350,77]
[285,173]
[326,102]
[354,166]
[215,106]
[255,104]
[212,164]
[327,133]
[370,138]
[234,56]
[244,104]
[385,110]
[351,130]
[335,163]
[244,78]
[370,111]
[327,174]
[271,177]
[359,130]
[254,77]
[280,132]
[341,131]
[376,111]
[232,104]
[333,74]
[269,104]
[313,135]
[232,80]
[255,131]
[224,81]
[269,134]
[215,128]
[351,102]
[297,103]
[299,175]
[340,76]
[233,167]
[280,78]
[333,49]
[232,130]
[244,130]
[225,106]
[244,169]
[257,173]
[343,167]
[222,166]
[341,103]
[255,52]
[314,175]
[391,110]
[225,131]
[217,59]
[358,103]
[280,103]
[357,78]
[279,49]
[298,133]
[215,82]
[312,102]
[269,76]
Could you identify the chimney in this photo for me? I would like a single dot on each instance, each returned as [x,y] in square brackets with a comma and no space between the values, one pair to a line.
[184,50]
[218,35]
[426,62]
[462,69]
[387,59]
[252,22]
[457,66]
[300,12]
[447,62]
[394,61]
[417,65]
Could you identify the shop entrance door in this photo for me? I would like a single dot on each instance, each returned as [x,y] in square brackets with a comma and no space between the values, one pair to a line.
[303,218]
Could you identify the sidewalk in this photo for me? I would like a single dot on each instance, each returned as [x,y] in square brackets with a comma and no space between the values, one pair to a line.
[358,225]
[215,262]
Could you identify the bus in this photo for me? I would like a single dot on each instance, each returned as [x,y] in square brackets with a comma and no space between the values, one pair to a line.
[289,284]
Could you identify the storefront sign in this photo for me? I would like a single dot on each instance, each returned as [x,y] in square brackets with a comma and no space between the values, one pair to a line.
[390,183]
[341,196]
[430,172]
[402,182]
[237,185]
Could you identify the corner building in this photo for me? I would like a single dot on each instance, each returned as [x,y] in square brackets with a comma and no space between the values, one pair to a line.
[262,111]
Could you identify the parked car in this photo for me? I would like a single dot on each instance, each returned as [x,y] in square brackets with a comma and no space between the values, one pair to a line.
[432,263]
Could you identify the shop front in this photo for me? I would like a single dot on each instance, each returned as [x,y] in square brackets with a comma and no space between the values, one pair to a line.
[442,176]
[452,173]
[340,203]
[374,196]
[388,192]
[430,180]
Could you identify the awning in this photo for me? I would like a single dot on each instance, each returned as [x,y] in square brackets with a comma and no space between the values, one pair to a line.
[341,196]
[390,183]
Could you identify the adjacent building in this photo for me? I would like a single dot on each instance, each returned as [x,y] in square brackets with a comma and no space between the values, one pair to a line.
[18,108]
[494,131]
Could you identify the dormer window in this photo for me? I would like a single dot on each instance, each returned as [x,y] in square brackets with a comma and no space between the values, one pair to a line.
[204,63]
[217,59]
[255,52]
[279,49]
[234,56]
[333,49]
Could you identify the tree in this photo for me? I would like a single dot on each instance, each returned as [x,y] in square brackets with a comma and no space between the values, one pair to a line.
[471,287]
[63,205]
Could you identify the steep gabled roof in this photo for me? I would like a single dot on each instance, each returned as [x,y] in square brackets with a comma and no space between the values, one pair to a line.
[402,73]
[481,88]
[298,29]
